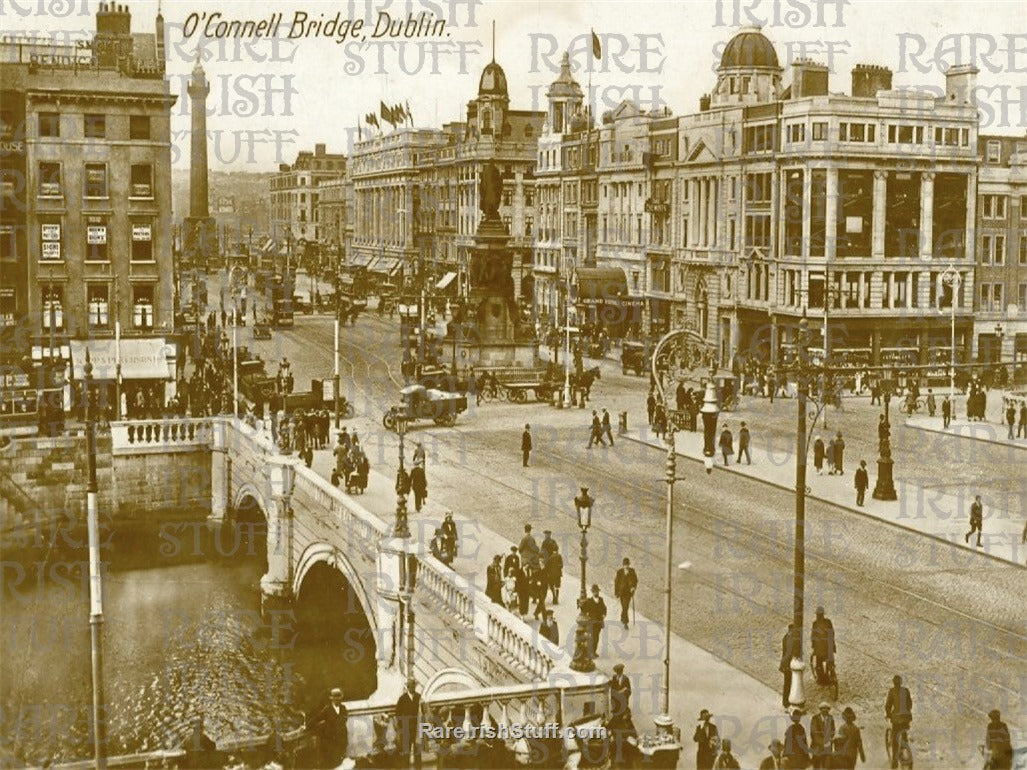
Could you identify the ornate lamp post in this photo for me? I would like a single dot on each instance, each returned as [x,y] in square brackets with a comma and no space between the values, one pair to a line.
[797,694]
[885,487]
[402,484]
[582,638]
[667,355]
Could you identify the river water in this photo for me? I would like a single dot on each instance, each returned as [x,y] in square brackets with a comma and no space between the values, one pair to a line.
[182,636]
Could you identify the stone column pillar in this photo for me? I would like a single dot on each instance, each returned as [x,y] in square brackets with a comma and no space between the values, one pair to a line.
[807,203]
[831,215]
[909,289]
[970,253]
[693,213]
[880,201]
[926,215]
[276,584]
[220,483]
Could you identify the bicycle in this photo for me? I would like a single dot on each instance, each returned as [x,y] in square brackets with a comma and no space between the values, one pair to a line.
[905,758]
[911,405]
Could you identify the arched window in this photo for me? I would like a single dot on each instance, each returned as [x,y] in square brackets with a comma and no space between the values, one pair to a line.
[486,121]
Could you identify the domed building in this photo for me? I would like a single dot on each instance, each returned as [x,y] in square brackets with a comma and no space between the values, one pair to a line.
[489,111]
[749,71]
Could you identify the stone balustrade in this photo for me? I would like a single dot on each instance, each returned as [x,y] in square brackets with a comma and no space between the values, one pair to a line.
[162,435]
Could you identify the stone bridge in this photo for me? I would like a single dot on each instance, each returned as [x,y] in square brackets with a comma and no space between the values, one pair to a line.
[463,645]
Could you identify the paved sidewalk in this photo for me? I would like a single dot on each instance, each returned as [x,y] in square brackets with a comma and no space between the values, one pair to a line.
[745,710]
[932,512]
[991,432]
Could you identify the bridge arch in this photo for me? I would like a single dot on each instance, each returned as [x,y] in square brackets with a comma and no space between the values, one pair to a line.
[323,553]
[249,490]
[450,680]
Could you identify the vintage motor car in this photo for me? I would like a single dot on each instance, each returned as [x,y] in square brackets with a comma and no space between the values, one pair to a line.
[420,403]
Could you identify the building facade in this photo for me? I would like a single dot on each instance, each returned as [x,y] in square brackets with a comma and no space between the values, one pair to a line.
[1000,305]
[295,194]
[779,200]
[85,224]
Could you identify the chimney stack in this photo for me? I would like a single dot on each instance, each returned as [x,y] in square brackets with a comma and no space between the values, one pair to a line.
[960,82]
[704,103]
[868,79]
[809,78]
[319,150]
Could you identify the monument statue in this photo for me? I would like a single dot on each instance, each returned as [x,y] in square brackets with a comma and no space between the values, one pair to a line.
[491,191]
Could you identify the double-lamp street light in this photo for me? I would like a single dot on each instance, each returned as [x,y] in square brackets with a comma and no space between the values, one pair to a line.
[668,366]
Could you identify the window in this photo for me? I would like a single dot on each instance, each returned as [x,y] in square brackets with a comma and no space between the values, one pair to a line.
[49,124]
[985,296]
[905,134]
[994,206]
[98,301]
[1000,249]
[142,180]
[994,151]
[96,240]
[95,126]
[819,132]
[142,241]
[1022,259]
[96,180]
[996,296]
[1021,296]
[53,305]
[50,180]
[139,127]
[986,249]
[50,241]
[142,306]
[758,188]
[797,132]
[946,136]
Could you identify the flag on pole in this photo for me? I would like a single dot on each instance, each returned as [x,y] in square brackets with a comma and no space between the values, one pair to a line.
[360,134]
[409,116]
[372,120]
[386,114]
[597,49]
[398,113]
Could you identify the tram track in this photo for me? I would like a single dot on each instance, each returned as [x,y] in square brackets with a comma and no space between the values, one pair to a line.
[712,525]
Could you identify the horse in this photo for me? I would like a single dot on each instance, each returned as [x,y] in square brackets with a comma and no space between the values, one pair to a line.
[585,379]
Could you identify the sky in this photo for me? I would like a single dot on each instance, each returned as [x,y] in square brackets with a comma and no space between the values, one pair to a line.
[271,98]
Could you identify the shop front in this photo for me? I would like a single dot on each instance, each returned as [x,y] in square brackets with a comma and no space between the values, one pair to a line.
[147,371]
[603,302]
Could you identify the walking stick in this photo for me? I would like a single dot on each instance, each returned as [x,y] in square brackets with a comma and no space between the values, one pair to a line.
[632,609]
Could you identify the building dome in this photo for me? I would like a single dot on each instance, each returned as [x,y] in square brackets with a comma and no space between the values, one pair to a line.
[493,81]
[565,85]
[749,48]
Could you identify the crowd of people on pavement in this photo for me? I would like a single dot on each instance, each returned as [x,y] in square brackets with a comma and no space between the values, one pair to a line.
[824,743]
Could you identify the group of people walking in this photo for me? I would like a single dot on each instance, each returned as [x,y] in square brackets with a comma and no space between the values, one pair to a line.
[352,467]
[530,572]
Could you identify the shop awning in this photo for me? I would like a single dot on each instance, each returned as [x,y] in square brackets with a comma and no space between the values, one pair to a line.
[447,279]
[141,359]
[599,285]
[361,260]
[385,265]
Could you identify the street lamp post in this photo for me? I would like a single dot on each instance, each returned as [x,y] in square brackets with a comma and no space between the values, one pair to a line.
[401,528]
[95,578]
[884,489]
[582,661]
[666,354]
[335,370]
[235,359]
[796,694]
[951,278]
[567,334]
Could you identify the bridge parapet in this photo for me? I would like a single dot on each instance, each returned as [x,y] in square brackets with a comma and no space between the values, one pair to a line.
[161,436]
